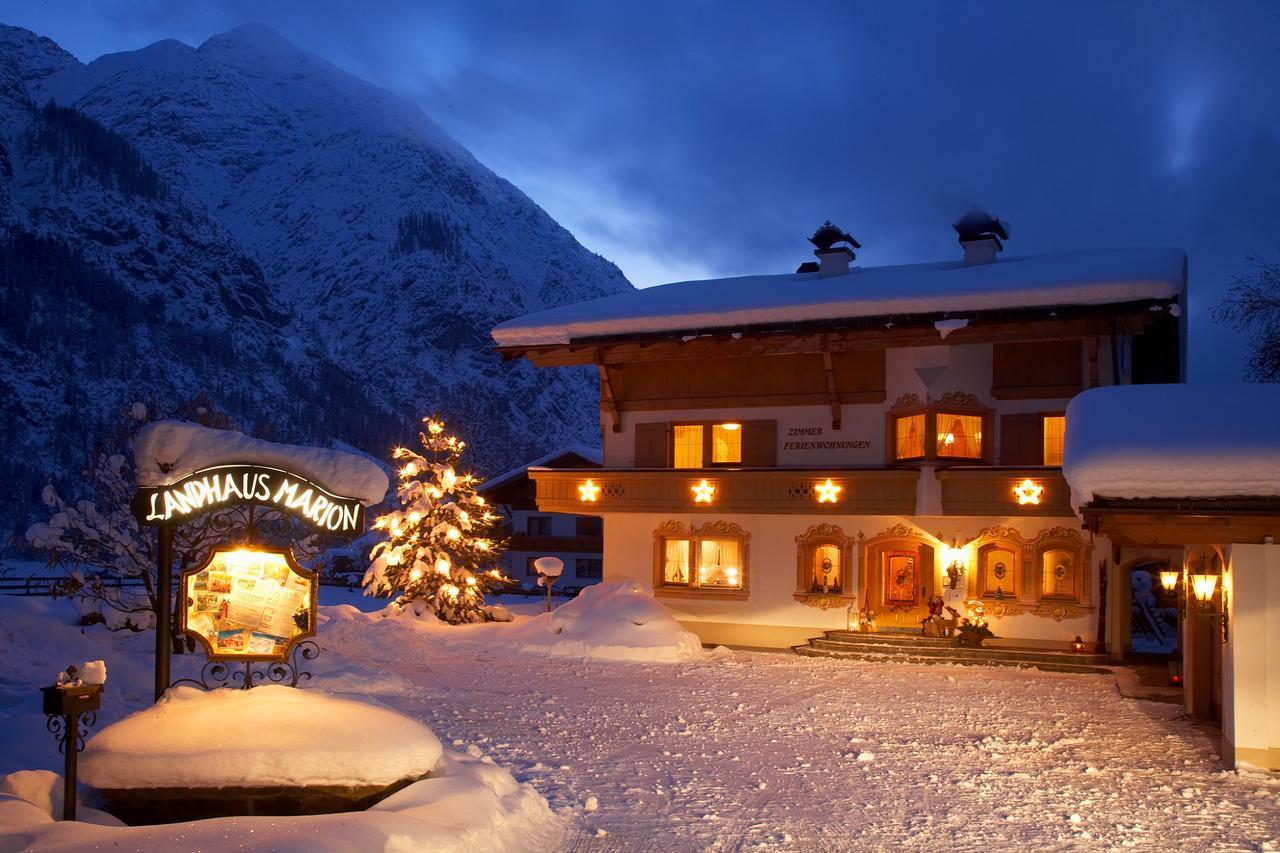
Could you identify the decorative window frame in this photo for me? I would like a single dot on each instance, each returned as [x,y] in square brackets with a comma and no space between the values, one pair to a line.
[1005,539]
[806,544]
[695,535]
[954,403]
[1065,539]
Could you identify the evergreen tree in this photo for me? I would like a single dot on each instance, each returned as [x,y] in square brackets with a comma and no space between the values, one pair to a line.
[438,552]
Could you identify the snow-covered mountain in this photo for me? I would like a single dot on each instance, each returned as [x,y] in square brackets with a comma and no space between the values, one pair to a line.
[247,221]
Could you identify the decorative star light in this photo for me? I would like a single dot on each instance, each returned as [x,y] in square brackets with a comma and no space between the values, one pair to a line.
[1028,492]
[828,492]
[589,492]
[703,493]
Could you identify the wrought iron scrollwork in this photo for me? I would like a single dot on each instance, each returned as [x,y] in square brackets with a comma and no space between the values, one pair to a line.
[57,726]
[221,674]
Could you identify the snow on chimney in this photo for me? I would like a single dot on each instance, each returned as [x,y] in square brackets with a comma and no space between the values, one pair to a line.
[833,249]
[980,234]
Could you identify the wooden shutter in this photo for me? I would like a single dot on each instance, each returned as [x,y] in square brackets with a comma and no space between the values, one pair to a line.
[1021,440]
[760,444]
[653,445]
[1029,370]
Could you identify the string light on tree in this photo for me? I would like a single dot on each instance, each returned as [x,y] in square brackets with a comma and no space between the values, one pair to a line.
[438,551]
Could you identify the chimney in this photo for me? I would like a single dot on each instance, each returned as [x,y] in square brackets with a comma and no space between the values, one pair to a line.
[833,249]
[980,234]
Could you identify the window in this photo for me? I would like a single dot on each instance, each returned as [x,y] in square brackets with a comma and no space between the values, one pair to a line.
[822,553]
[726,444]
[688,445]
[998,565]
[720,563]
[1055,430]
[826,569]
[710,560]
[529,570]
[538,525]
[950,428]
[909,437]
[959,436]
[1058,573]
[589,567]
[590,526]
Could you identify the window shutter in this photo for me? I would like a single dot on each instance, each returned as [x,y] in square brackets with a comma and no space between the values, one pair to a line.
[1021,440]
[1028,370]
[760,444]
[653,445]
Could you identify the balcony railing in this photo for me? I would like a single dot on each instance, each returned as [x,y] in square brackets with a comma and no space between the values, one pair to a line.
[567,544]
[876,491]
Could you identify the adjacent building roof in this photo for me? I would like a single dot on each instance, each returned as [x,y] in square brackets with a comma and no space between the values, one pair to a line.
[1164,442]
[946,288]
[574,456]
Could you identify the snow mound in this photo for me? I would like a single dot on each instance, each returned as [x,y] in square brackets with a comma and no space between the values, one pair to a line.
[609,621]
[270,735]
[1173,441]
[467,804]
[167,451]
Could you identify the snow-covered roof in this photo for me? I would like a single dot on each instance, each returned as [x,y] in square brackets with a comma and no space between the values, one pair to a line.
[167,451]
[1173,441]
[1078,278]
[594,455]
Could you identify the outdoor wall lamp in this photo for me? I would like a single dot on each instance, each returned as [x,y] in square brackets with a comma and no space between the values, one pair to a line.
[1203,587]
[1169,579]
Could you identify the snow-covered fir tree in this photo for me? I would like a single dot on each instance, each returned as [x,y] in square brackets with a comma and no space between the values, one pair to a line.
[438,551]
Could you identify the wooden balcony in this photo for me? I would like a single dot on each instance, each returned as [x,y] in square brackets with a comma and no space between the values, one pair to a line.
[991,491]
[876,491]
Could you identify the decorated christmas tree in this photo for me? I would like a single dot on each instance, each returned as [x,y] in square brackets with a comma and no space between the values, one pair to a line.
[437,552]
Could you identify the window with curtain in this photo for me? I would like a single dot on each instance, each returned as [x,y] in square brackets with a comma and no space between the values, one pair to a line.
[959,436]
[675,564]
[688,445]
[908,437]
[726,444]
[720,563]
[1055,431]
[999,577]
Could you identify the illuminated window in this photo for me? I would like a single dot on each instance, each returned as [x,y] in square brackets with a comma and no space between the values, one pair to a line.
[675,562]
[999,572]
[826,568]
[726,444]
[1058,573]
[711,559]
[720,563]
[959,436]
[688,445]
[1055,430]
[908,437]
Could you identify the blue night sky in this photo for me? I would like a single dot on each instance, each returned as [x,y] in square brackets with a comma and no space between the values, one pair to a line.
[696,139]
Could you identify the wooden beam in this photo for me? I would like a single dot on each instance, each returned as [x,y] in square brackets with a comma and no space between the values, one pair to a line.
[607,401]
[832,397]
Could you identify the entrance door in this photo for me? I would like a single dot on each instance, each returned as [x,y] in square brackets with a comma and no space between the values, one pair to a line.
[901,579]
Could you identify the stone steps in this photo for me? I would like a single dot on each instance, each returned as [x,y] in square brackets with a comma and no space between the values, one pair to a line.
[895,647]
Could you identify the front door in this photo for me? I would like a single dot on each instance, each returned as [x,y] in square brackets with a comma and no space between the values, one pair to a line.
[901,579]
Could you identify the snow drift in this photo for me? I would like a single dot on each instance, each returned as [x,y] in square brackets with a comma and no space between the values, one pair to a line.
[270,735]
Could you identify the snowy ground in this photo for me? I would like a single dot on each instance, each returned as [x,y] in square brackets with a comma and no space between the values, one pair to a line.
[753,750]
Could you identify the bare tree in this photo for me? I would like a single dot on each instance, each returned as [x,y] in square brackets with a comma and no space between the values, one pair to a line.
[1252,305]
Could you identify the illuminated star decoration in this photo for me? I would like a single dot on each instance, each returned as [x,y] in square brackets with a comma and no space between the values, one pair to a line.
[589,491]
[703,493]
[828,492]
[1028,492]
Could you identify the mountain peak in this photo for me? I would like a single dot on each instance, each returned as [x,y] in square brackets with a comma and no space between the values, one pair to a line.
[253,37]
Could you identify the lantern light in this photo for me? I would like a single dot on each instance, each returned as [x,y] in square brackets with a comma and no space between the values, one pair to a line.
[1203,586]
[1169,579]
[731,427]
[1077,645]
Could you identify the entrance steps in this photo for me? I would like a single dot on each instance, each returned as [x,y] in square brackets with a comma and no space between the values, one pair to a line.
[889,646]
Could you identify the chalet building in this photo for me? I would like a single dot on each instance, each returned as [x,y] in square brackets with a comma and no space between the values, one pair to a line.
[785,454]
[576,539]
